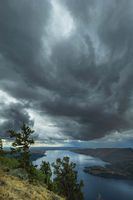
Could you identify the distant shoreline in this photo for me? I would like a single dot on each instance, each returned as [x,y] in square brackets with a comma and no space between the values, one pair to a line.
[120,159]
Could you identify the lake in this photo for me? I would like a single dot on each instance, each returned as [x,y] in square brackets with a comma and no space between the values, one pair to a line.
[109,189]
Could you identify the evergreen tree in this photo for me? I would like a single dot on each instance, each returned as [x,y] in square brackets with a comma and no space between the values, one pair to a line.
[22,144]
[1,146]
[46,169]
[65,181]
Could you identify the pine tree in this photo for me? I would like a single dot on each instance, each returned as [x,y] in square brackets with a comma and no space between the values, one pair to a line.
[1,146]
[46,170]
[65,181]
[22,144]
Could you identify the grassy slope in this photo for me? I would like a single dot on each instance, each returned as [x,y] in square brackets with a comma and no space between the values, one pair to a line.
[13,188]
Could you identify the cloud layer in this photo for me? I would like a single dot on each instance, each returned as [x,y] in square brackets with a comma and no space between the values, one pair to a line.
[67,65]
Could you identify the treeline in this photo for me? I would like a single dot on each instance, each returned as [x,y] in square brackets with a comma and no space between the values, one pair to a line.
[63,179]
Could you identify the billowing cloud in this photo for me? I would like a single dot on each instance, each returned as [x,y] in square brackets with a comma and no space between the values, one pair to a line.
[67,66]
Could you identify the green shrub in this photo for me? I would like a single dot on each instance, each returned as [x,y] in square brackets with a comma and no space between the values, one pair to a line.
[10,163]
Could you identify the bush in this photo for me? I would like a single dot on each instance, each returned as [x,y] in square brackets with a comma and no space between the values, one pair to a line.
[35,175]
[10,163]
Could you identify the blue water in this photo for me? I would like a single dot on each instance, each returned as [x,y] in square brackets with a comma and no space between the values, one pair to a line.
[109,189]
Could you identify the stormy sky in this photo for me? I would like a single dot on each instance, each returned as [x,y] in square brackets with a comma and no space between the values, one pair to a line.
[66,68]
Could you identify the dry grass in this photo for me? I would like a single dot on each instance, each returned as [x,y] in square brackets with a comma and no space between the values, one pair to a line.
[12,188]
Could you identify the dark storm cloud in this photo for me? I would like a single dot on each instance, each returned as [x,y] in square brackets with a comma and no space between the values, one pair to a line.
[21,29]
[13,116]
[82,81]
